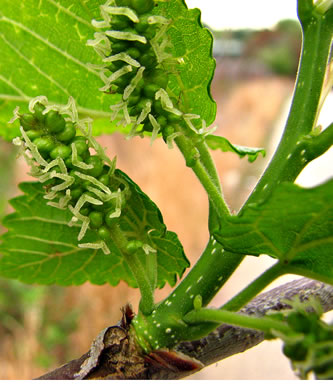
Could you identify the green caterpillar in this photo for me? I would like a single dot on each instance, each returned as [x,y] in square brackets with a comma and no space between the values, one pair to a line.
[77,174]
[134,46]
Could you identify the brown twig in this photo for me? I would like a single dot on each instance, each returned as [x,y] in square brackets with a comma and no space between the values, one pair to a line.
[114,355]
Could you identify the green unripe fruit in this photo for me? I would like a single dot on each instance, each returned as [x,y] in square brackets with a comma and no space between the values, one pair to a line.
[158,77]
[113,66]
[143,24]
[69,162]
[139,86]
[157,107]
[28,121]
[44,144]
[162,121]
[147,126]
[39,108]
[104,233]
[150,90]
[110,221]
[133,246]
[299,322]
[133,100]
[143,47]
[142,6]
[68,133]
[120,22]
[151,32]
[85,155]
[167,131]
[54,122]
[33,134]
[133,52]
[77,180]
[173,118]
[104,179]
[136,110]
[80,144]
[148,60]
[56,169]
[123,3]
[119,46]
[124,80]
[85,211]
[96,219]
[76,193]
[295,352]
[61,151]
[97,164]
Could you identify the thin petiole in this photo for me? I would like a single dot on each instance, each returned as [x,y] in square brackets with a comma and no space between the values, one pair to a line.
[227,317]
[253,289]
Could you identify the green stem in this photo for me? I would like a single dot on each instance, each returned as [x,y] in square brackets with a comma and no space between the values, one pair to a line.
[208,275]
[253,289]
[207,161]
[319,144]
[191,156]
[165,326]
[227,317]
[137,269]
[317,37]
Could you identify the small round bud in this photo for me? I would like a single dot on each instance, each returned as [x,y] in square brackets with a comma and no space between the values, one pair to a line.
[44,144]
[104,232]
[96,219]
[54,122]
[61,151]
[68,133]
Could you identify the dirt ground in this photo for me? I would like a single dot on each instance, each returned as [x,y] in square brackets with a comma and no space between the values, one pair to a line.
[247,115]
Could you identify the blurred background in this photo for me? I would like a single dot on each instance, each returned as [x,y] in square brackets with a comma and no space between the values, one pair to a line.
[256,49]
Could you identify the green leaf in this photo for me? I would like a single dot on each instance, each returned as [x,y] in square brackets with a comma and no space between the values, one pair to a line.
[294,225]
[192,45]
[216,142]
[43,52]
[41,248]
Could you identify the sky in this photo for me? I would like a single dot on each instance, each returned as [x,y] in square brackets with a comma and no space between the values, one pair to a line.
[234,14]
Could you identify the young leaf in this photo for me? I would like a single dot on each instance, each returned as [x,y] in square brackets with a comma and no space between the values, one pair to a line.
[295,225]
[216,142]
[192,45]
[41,248]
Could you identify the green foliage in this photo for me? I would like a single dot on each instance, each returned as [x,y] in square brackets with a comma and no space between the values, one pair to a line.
[156,70]
[148,57]
[215,142]
[50,57]
[192,46]
[41,248]
[294,225]
[308,341]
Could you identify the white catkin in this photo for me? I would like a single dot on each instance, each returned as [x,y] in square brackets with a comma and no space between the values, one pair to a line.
[126,36]
[156,128]
[133,83]
[121,11]
[108,80]
[122,57]
[96,245]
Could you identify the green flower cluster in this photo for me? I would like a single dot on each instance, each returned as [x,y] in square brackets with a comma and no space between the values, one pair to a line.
[135,52]
[73,167]
[310,344]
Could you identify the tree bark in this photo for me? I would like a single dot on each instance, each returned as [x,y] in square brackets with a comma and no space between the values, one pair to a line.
[114,354]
